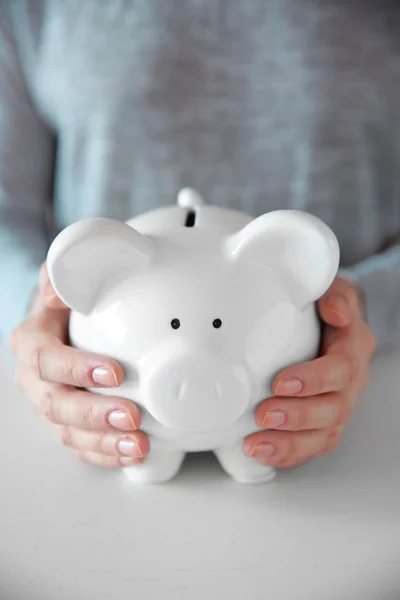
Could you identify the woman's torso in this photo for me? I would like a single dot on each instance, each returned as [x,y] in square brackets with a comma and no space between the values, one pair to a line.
[259,105]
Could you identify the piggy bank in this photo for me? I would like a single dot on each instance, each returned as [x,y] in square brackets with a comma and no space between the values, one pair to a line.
[202,306]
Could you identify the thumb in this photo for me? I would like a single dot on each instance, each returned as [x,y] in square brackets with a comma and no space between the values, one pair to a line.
[47,293]
[341,304]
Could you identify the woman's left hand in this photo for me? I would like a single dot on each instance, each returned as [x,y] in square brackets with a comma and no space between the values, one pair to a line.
[314,400]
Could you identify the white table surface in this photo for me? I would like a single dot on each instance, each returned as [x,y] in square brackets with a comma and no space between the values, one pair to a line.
[329,530]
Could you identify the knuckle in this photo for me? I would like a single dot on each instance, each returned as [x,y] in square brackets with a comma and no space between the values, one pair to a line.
[88,419]
[46,407]
[22,329]
[292,448]
[102,443]
[343,411]
[322,379]
[13,340]
[19,334]
[19,376]
[302,418]
[75,375]
[351,369]
[65,436]
[41,322]
[332,441]
[26,330]
[36,362]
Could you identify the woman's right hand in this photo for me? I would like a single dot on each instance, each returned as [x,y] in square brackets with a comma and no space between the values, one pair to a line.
[100,429]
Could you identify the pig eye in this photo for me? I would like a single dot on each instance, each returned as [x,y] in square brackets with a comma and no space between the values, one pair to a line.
[175,323]
[217,323]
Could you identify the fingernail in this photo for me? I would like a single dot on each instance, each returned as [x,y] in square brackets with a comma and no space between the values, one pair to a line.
[263,449]
[275,418]
[288,387]
[339,305]
[104,376]
[129,448]
[120,419]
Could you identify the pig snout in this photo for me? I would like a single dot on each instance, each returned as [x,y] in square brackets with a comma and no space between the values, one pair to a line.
[196,393]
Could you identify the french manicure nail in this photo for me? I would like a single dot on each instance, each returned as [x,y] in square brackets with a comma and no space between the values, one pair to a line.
[288,387]
[104,376]
[262,449]
[275,418]
[120,419]
[339,305]
[129,448]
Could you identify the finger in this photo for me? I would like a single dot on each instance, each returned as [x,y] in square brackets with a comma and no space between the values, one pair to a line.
[31,389]
[357,339]
[39,321]
[37,343]
[50,360]
[341,304]
[85,410]
[334,439]
[39,393]
[285,449]
[47,292]
[358,343]
[65,405]
[319,412]
[108,461]
[28,383]
[39,329]
[134,445]
[330,373]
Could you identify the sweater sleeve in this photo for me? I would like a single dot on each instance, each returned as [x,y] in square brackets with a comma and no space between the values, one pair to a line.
[26,163]
[379,279]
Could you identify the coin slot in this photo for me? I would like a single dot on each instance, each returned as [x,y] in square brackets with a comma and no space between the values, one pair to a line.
[190,219]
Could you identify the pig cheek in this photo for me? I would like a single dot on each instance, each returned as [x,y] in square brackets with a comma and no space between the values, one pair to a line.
[269,337]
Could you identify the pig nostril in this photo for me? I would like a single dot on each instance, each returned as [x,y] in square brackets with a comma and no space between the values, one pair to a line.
[217,389]
[181,390]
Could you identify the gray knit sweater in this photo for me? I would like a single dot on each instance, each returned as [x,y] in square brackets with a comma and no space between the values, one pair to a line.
[107,108]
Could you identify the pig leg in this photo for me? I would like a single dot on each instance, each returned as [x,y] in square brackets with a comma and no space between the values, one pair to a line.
[241,468]
[161,464]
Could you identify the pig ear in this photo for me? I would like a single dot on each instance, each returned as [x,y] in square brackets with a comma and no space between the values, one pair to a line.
[297,246]
[88,253]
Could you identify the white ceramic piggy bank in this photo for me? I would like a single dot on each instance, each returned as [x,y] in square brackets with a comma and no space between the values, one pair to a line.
[201,306]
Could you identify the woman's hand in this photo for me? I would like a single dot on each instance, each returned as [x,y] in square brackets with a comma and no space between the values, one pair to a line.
[101,429]
[313,400]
